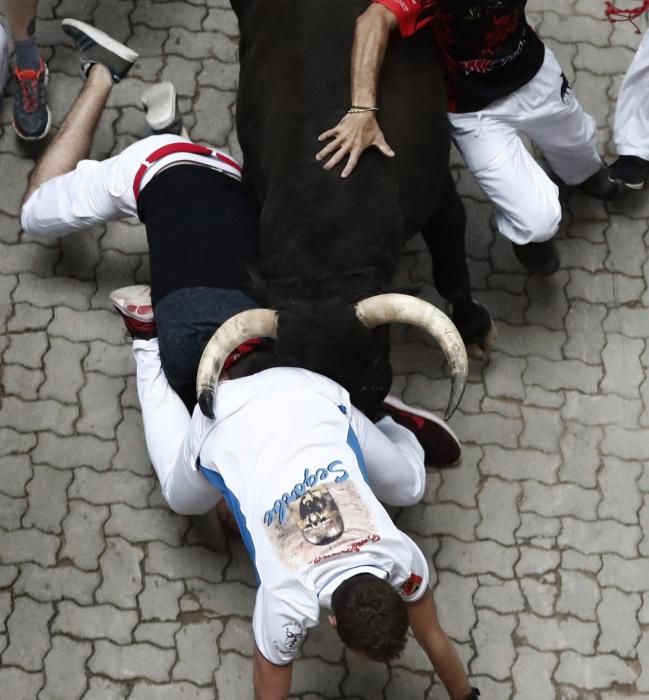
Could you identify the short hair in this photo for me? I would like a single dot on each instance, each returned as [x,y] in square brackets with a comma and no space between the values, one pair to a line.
[371,617]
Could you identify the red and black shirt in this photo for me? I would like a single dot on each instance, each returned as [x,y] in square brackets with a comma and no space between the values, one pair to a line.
[487,47]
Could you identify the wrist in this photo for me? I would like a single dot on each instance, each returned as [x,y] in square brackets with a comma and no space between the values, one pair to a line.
[381,13]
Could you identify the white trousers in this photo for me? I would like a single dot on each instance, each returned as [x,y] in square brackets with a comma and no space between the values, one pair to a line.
[631,128]
[526,200]
[99,191]
[393,457]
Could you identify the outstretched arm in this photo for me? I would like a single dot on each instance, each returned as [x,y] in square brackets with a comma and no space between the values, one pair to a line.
[356,132]
[272,682]
[438,647]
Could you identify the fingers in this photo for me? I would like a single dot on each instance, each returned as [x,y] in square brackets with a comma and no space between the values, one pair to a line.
[329,148]
[354,157]
[336,158]
[329,134]
[385,149]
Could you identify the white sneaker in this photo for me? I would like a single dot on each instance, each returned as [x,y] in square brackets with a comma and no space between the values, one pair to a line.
[161,107]
[4,59]
[134,305]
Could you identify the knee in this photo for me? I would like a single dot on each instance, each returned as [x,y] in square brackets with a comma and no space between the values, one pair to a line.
[533,223]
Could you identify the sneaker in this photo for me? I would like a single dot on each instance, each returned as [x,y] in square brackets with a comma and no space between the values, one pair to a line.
[539,258]
[96,46]
[441,446]
[32,117]
[629,171]
[161,105]
[599,186]
[4,60]
[134,304]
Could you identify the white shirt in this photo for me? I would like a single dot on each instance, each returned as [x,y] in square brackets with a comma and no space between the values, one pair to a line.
[289,452]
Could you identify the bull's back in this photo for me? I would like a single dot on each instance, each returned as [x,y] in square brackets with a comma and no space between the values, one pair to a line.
[295,84]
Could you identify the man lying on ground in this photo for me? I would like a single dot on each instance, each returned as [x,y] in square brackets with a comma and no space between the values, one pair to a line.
[301,469]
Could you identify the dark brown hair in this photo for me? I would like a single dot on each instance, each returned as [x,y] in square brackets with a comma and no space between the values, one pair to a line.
[371,617]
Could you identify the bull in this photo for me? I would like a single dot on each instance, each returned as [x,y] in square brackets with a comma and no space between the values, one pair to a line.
[328,242]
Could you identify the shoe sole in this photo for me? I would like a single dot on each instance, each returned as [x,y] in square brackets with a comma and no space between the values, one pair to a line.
[121,304]
[160,104]
[101,38]
[629,185]
[393,402]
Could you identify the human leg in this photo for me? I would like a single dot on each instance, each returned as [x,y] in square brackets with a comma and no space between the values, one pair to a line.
[444,236]
[167,431]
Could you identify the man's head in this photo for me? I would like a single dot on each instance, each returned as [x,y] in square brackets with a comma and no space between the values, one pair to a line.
[370,617]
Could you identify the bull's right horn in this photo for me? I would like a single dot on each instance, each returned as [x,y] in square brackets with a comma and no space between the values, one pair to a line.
[254,323]
[403,308]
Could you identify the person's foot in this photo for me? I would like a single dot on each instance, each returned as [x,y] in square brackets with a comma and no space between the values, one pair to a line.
[539,258]
[32,118]
[161,105]
[96,46]
[599,186]
[630,172]
[4,59]
[441,446]
[134,305]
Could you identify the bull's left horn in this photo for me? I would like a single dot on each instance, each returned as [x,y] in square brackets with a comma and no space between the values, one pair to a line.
[402,308]
[254,323]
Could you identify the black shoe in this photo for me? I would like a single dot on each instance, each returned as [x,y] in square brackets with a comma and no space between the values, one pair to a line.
[539,258]
[32,118]
[96,46]
[599,186]
[629,171]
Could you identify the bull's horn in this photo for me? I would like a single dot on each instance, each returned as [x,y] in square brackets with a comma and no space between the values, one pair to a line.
[402,308]
[254,323]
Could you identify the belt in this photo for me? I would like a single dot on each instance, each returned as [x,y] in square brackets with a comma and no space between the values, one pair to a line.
[181,147]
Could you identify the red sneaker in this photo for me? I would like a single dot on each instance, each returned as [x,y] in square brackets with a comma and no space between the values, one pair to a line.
[134,305]
[441,447]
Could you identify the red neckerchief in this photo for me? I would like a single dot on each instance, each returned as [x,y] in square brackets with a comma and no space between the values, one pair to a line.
[242,350]
[616,14]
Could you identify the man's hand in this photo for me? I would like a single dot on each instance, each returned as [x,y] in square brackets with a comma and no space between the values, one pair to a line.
[354,133]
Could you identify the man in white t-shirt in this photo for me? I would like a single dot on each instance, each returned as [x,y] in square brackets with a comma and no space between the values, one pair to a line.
[303,472]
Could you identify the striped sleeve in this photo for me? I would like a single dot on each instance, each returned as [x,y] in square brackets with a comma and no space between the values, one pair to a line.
[412,15]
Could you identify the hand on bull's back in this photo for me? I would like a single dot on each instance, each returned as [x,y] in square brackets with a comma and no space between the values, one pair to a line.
[353,134]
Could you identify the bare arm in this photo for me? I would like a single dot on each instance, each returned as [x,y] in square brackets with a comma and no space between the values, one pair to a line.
[356,132]
[271,682]
[438,647]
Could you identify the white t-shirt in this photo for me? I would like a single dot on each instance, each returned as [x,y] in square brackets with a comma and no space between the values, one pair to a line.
[288,450]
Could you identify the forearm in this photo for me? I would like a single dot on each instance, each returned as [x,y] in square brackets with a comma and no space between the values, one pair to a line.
[438,647]
[370,42]
[272,682]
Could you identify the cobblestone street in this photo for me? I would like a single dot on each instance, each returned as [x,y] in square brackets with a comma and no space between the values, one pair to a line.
[538,544]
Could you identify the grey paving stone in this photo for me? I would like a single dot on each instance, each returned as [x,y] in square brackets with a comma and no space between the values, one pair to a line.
[536,561]
[95,622]
[594,671]
[68,452]
[83,536]
[85,326]
[29,638]
[580,594]
[617,614]
[232,598]
[161,634]
[104,689]
[185,562]
[620,498]
[234,679]
[100,408]
[63,370]
[56,583]
[38,415]
[23,546]
[110,487]
[567,374]
[17,471]
[136,525]
[120,565]
[440,519]
[562,499]
[13,442]
[322,641]
[198,652]
[141,660]
[540,597]
[476,558]
[159,598]
[362,681]
[494,659]
[519,464]
[65,669]
[501,596]
[599,537]
[11,512]
[26,349]
[19,684]
[532,673]
[504,496]
[552,634]
[47,497]
[22,382]
[175,691]
[64,294]
[454,600]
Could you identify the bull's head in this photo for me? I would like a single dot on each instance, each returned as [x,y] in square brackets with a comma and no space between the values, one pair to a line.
[371,312]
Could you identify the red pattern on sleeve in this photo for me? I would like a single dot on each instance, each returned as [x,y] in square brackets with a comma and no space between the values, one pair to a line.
[411,14]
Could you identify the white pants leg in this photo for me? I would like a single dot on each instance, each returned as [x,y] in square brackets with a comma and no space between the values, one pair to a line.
[93,193]
[526,200]
[631,129]
[167,430]
[550,115]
